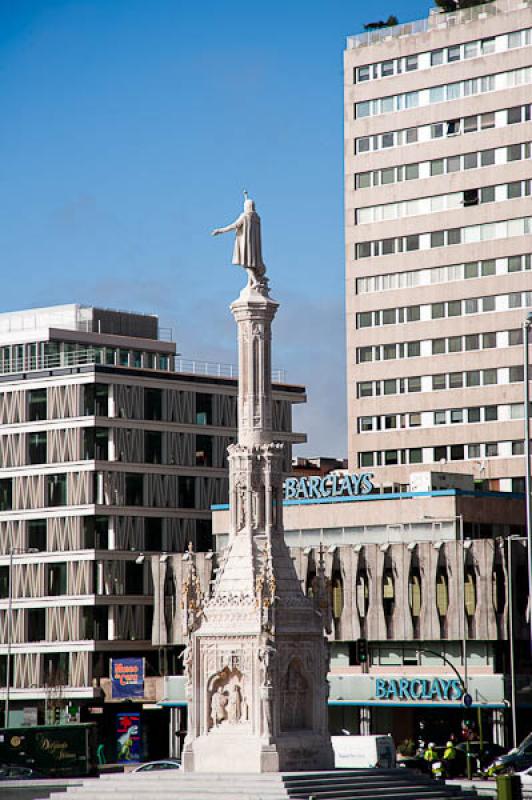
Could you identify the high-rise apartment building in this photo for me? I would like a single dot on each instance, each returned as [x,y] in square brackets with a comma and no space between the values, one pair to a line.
[109,449]
[438,242]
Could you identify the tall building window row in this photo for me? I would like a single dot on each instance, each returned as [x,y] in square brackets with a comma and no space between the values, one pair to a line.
[445,55]
[443,166]
[440,453]
[445,380]
[443,309]
[442,346]
[443,129]
[452,272]
[444,93]
[469,234]
[435,204]
[444,416]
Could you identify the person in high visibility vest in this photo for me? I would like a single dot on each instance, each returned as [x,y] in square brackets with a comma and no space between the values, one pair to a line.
[430,754]
[449,758]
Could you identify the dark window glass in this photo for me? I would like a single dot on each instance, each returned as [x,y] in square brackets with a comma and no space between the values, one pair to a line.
[6,494]
[203,451]
[388,316]
[470,160]
[412,243]
[37,406]
[203,409]
[134,489]
[438,382]
[96,400]
[363,74]
[437,239]
[438,310]
[487,267]
[456,380]
[187,487]
[470,197]
[438,347]
[487,158]
[57,490]
[516,374]
[96,532]
[414,384]
[413,313]
[473,414]
[36,624]
[37,534]
[153,404]
[440,453]
[455,344]
[411,63]
[454,308]
[489,377]
[518,448]
[153,447]
[153,530]
[470,124]
[473,377]
[515,336]
[134,578]
[387,139]
[411,135]
[436,57]
[453,164]
[472,341]
[515,189]
[453,53]
[457,452]
[363,144]
[37,448]
[96,444]
[490,413]
[514,115]
[487,120]
[364,250]
[57,579]
[487,194]
[413,349]
[415,456]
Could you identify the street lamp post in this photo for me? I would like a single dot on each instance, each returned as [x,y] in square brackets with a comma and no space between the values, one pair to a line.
[528,478]
[511,540]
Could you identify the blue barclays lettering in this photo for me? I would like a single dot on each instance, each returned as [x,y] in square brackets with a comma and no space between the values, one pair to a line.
[317,487]
[392,689]
[404,689]
[314,487]
[426,690]
[291,486]
[435,689]
[457,689]
[380,688]
[416,688]
[445,687]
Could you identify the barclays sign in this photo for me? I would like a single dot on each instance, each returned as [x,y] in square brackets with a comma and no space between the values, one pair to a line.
[318,488]
[434,690]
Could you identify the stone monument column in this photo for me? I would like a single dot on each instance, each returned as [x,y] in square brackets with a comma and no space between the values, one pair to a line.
[256,660]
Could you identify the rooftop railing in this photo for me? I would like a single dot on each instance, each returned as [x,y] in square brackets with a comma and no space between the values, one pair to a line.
[437,20]
[16,364]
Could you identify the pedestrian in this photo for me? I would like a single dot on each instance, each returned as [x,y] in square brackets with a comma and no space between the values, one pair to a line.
[449,758]
[430,753]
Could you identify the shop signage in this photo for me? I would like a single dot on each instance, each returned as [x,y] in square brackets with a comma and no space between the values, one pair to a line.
[432,689]
[317,487]
[127,677]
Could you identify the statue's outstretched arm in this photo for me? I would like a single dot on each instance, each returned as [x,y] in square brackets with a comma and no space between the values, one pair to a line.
[232,227]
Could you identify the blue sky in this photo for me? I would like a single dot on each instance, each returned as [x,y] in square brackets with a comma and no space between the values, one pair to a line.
[128,129]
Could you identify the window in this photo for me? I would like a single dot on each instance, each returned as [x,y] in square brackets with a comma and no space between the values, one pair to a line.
[470,160]
[411,171]
[492,449]
[440,453]
[365,389]
[436,58]
[455,344]
[362,109]
[364,321]
[471,306]
[187,488]
[439,418]
[489,341]
[57,579]
[363,74]
[473,414]
[453,53]
[390,386]
[487,120]
[456,380]
[36,624]
[515,337]
[489,376]
[438,346]
[453,125]
[415,455]
[453,164]
[473,451]
[473,377]
[365,424]
[6,494]
[388,318]
[366,459]
[470,124]
[363,144]
[37,406]
[454,236]
[96,400]
[516,374]
[365,354]
[413,349]
[457,415]
[472,341]
[411,63]
[203,409]
[518,448]
[488,267]
[363,180]
[438,382]
[513,115]
[412,243]
[471,269]
[37,448]
[57,490]
[37,534]
[488,303]
[153,447]
[470,197]
[490,413]
[413,313]
[437,167]
[134,489]
[204,450]
[411,135]
[454,308]
[153,403]
[457,452]
[438,310]
[487,158]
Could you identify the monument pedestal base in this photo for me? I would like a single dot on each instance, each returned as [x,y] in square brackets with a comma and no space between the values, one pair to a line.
[227,752]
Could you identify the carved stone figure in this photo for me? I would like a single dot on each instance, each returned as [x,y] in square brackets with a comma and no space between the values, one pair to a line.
[247,251]
[234,704]
[218,706]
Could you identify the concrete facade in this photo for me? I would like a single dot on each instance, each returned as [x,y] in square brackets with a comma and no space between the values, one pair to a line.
[437,203]
[107,454]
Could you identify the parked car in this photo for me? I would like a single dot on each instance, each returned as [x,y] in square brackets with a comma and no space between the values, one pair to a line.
[14,772]
[517,760]
[417,763]
[481,756]
[153,766]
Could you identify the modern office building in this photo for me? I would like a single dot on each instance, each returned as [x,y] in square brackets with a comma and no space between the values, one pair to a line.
[438,224]
[110,449]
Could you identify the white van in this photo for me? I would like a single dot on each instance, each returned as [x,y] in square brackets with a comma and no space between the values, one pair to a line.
[363,751]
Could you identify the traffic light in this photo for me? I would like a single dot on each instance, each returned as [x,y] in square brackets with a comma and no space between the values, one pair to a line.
[361,651]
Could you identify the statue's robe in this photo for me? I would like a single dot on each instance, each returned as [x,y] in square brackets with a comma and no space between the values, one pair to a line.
[248,248]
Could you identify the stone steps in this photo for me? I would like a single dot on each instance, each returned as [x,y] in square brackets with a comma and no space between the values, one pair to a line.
[393,784]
